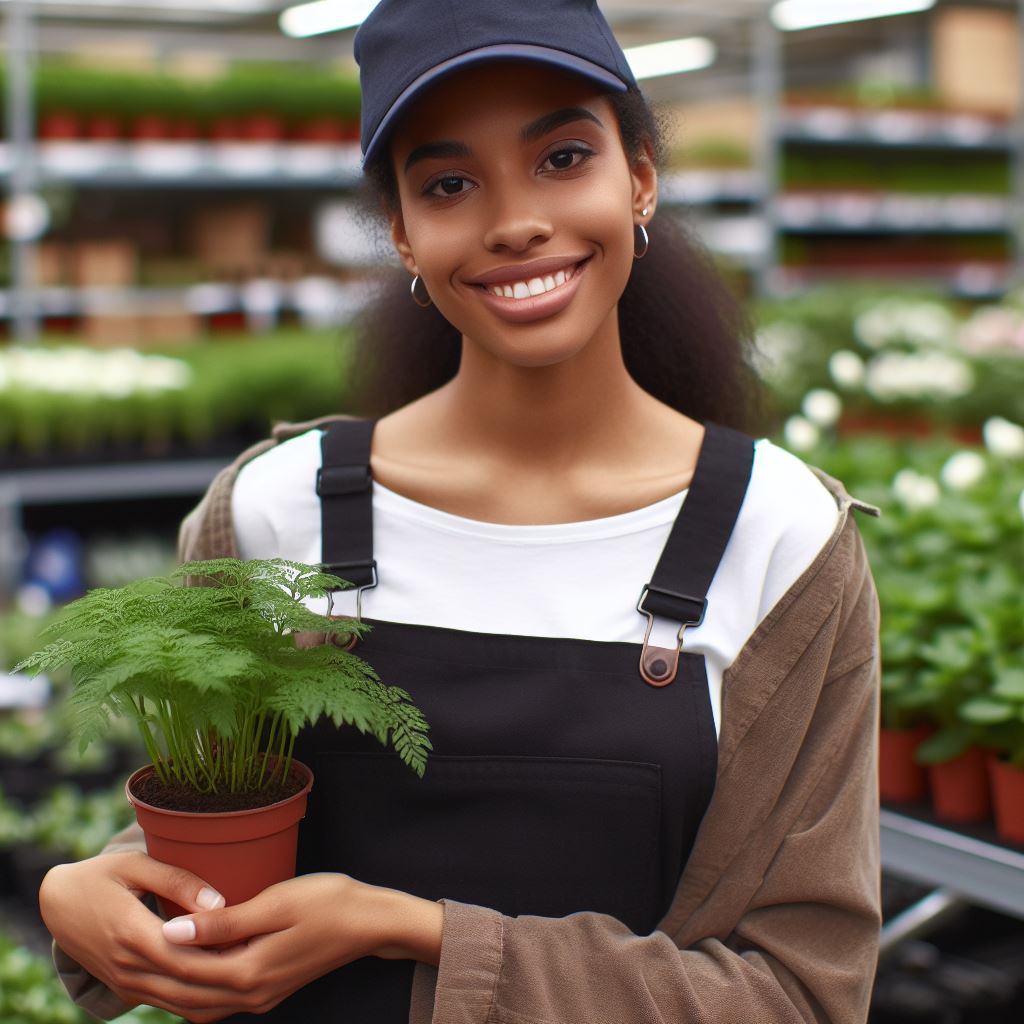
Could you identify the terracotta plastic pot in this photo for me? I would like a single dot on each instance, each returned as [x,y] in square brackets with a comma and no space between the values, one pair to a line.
[1007,799]
[960,790]
[239,853]
[900,777]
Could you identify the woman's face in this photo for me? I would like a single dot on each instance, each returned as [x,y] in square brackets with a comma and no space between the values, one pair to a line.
[518,207]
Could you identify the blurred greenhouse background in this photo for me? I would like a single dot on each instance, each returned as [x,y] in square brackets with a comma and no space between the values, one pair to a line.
[185,253]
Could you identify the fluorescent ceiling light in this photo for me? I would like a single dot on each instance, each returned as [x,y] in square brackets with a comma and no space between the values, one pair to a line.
[148,6]
[792,15]
[671,57]
[324,16]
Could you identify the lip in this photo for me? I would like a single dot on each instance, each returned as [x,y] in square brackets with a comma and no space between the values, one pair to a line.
[536,307]
[524,271]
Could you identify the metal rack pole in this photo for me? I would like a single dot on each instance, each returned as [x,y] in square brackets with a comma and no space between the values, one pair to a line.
[768,86]
[1018,157]
[22,181]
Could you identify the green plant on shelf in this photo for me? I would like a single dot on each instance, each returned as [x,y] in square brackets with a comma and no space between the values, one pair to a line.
[30,993]
[213,678]
[948,561]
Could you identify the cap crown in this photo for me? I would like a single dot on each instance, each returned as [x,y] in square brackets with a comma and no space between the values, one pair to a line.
[403,40]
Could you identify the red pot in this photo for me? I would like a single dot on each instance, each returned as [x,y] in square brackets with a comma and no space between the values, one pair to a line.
[59,125]
[262,128]
[1007,799]
[900,777]
[239,853]
[960,790]
[150,128]
[320,129]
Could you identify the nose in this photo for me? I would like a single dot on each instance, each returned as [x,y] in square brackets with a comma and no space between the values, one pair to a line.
[517,221]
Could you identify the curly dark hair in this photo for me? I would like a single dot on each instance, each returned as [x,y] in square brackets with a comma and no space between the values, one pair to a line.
[686,337]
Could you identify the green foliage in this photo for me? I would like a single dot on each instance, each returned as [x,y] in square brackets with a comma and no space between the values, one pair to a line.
[237,385]
[212,676]
[950,578]
[30,993]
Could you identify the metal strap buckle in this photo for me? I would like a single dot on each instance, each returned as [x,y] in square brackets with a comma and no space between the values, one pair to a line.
[352,637]
[659,665]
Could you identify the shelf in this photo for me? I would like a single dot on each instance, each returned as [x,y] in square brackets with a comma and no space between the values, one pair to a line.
[981,872]
[894,128]
[194,164]
[896,213]
[323,300]
[971,280]
[125,481]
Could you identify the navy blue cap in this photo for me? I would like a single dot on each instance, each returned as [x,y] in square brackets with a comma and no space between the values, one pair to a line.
[406,45]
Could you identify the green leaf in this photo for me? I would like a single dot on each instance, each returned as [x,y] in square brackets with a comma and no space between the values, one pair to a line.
[986,711]
[944,745]
[1009,683]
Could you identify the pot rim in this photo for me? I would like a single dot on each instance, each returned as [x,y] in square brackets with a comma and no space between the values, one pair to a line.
[247,812]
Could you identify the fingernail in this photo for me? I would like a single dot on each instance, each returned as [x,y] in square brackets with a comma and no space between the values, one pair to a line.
[180,929]
[208,899]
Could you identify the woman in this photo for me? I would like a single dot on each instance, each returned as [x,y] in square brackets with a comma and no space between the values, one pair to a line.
[657,810]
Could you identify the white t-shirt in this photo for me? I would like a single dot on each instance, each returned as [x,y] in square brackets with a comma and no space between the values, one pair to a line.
[579,580]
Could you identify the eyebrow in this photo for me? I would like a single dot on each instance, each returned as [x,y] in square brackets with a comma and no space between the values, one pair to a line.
[533,131]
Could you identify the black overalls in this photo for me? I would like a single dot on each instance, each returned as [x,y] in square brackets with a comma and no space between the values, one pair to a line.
[566,775]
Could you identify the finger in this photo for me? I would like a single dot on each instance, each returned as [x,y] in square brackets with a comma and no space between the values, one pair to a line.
[175,884]
[217,927]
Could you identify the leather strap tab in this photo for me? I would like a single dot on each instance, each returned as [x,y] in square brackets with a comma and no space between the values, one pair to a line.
[679,588]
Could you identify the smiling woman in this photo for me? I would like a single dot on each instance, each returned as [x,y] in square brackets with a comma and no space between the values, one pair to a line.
[645,642]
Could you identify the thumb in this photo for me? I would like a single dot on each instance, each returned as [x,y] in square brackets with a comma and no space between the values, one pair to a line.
[178,885]
[224,926]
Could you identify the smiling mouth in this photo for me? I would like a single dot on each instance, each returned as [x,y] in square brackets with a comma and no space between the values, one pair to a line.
[532,287]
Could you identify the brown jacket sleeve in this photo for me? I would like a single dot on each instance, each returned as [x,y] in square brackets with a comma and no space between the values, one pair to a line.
[777,915]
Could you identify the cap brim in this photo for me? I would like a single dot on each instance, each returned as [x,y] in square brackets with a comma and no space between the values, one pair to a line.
[500,51]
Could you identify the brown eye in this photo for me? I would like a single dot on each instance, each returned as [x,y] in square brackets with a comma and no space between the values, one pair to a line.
[562,160]
[450,185]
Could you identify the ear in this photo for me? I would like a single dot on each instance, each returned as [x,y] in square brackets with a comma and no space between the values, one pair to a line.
[400,240]
[644,177]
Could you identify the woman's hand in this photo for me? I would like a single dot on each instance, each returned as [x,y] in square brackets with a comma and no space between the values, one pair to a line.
[291,934]
[94,910]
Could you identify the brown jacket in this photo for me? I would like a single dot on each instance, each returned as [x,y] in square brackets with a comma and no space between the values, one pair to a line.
[776,918]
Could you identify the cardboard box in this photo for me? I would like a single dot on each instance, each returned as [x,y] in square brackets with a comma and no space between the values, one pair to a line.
[976,57]
[51,264]
[168,326]
[231,239]
[107,264]
[111,330]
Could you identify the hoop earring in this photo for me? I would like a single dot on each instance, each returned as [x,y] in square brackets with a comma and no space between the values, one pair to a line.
[415,298]
[641,242]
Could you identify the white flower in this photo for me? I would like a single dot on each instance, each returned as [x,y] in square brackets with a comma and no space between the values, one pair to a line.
[822,407]
[922,324]
[846,368]
[962,471]
[914,490]
[1003,438]
[801,434]
[776,347]
[993,329]
[931,375]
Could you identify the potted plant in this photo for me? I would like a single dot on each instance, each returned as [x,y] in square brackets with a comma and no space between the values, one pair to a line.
[1000,713]
[218,688]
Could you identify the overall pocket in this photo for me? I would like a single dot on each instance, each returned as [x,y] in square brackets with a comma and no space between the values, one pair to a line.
[523,835]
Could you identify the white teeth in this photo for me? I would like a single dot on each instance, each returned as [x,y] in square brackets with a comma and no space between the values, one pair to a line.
[535,286]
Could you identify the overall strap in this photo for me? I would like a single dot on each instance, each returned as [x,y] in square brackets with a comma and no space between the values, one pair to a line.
[346,502]
[679,587]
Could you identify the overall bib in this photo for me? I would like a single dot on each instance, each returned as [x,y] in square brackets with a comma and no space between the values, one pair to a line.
[566,775]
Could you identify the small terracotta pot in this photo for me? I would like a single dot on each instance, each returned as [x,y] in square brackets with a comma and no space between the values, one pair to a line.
[900,777]
[1007,799]
[239,853]
[960,790]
